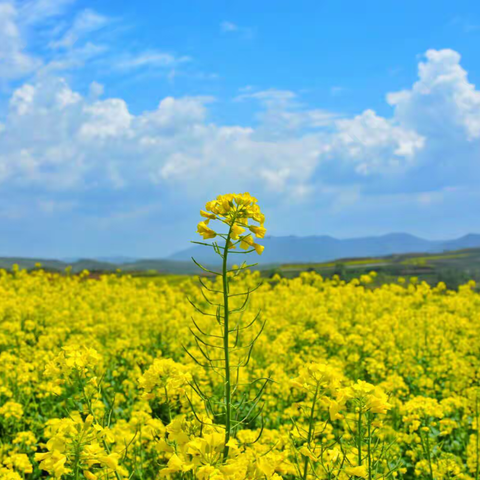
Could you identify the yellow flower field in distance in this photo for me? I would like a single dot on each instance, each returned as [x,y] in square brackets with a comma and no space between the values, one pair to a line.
[95,380]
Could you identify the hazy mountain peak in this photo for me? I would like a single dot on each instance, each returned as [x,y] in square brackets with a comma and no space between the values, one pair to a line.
[321,248]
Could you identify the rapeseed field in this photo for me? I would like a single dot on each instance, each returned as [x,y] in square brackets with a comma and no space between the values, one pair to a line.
[232,377]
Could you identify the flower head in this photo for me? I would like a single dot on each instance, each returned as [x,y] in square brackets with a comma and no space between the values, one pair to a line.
[235,211]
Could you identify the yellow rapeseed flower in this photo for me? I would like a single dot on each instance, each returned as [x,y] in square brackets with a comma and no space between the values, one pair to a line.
[235,211]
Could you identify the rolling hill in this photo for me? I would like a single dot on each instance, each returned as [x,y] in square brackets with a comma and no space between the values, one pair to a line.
[292,249]
[278,251]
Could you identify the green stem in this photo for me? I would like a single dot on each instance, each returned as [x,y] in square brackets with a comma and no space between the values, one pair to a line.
[429,457]
[228,387]
[310,430]
[76,461]
[477,466]
[426,451]
[359,439]
[167,401]
[369,444]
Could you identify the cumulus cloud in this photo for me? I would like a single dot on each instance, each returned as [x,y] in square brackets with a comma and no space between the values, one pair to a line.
[57,138]
[105,119]
[442,102]
[92,152]
[373,145]
[444,108]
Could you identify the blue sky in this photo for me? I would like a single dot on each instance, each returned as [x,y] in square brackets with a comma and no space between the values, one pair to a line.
[118,122]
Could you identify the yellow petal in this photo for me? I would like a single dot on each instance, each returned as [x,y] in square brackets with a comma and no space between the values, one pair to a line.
[258,248]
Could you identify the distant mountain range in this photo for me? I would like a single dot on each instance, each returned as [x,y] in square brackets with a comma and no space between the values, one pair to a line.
[278,250]
[314,249]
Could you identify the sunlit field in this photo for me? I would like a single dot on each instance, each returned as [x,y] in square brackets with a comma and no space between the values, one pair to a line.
[96,381]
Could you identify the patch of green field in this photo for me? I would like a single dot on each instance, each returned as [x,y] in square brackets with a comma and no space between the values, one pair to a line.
[452,268]
[432,258]
[356,261]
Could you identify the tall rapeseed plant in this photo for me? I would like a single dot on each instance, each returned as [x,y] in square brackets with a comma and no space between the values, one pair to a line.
[234,213]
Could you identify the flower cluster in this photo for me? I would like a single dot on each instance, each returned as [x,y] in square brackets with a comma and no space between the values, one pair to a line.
[235,211]
[75,445]
[165,379]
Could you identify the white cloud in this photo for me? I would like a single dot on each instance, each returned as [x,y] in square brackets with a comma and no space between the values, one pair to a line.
[442,102]
[22,99]
[150,58]
[95,90]
[374,144]
[271,98]
[85,22]
[104,119]
[21,21]
[283,114]
[177,113]
[88,155]
[55,138]
[74,58]
[15,62]
[72,41]
[36,11]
